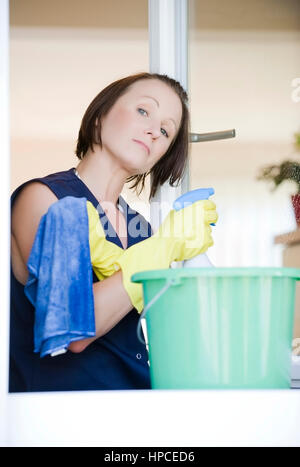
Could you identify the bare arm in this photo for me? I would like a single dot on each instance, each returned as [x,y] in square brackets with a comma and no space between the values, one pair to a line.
[110,298]
[31,204]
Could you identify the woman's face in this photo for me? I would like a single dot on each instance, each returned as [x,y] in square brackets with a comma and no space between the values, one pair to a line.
[141,125]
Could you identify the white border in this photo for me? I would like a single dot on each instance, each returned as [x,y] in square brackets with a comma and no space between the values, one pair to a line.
[4,216]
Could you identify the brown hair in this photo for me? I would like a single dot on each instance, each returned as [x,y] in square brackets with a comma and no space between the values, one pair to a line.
[173,163]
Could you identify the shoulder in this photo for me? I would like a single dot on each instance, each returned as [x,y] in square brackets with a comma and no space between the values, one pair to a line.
[31,203]
[34,199]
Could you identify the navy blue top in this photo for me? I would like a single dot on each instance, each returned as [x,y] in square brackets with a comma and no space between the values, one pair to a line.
[114,361]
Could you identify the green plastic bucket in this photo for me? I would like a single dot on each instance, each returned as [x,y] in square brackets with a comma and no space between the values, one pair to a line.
[212,328]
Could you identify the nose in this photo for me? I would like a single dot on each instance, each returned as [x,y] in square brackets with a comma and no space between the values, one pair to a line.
[153,130]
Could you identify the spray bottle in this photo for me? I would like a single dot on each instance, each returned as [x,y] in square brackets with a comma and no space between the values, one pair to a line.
[200,261]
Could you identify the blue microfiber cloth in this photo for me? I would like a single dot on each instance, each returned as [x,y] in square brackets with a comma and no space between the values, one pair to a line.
[60,282]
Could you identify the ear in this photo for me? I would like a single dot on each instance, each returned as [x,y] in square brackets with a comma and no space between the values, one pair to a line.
[97,132]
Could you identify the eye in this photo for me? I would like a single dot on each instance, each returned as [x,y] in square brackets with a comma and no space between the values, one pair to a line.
[144,112]
[140,110]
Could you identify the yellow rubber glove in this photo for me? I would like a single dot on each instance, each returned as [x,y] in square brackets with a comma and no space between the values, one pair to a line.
[103,252]
[183,235]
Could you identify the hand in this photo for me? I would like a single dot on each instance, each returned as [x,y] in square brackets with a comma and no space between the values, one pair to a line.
[189,228]
[183,235]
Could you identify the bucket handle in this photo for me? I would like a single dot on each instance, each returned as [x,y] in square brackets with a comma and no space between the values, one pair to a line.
[149,305]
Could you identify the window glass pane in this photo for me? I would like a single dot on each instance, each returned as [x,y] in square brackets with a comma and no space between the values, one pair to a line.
[244,74]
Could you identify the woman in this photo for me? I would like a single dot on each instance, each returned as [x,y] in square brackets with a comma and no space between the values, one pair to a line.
[135,126]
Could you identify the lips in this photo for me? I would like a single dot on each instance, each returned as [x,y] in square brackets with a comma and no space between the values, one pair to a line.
[142,144]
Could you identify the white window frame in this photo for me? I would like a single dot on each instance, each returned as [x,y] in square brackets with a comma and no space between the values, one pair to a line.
[168,46]
[4,217]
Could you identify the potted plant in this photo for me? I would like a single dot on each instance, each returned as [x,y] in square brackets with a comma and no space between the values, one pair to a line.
[287,170]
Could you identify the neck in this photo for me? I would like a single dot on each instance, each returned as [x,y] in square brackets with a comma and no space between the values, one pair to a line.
[102,175]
